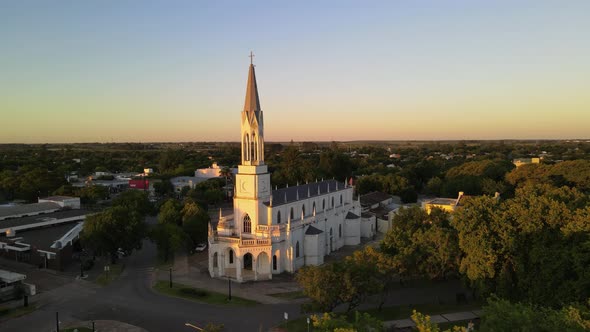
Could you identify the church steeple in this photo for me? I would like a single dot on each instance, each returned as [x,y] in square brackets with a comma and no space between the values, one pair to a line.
[252,123]
[252,103]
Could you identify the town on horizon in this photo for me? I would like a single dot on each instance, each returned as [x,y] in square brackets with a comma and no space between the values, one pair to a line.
[316,197]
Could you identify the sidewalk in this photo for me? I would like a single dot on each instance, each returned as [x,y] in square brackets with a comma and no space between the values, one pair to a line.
[195,275]
[107,326]
[442,318]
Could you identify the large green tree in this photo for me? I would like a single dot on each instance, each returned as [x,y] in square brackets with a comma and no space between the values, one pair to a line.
[114,228]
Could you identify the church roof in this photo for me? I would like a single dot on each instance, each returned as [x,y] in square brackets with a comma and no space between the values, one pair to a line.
[298,193]
[313,231]
[351,215]
[252,102]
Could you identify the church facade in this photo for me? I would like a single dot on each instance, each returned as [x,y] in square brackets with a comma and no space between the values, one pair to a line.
[281,230]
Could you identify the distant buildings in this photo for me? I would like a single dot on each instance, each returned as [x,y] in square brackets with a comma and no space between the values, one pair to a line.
[524,161]
[42,233]
[379,208]
[214,171]
[447,204]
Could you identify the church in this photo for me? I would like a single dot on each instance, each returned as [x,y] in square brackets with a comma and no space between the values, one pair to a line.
[281,230]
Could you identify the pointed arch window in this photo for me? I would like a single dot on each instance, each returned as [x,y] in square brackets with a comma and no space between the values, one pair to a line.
[332,202]
[323,204]
[253,147]
[313,209]
[278,217]
[303,210]
[274,262]
[231,256]
[340,230]
[340,199]
[291,214]
[247,224]
[246,147]
[297,249]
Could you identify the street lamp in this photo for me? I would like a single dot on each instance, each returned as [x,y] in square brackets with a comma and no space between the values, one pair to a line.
[194,327]
[229,288]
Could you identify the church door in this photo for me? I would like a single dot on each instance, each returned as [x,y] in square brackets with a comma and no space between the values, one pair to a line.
[248,261]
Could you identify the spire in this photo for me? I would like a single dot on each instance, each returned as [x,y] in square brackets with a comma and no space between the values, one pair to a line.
[252,103]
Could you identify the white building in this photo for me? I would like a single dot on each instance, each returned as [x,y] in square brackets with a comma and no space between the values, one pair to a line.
[214,171]
[63,201]
[273,231]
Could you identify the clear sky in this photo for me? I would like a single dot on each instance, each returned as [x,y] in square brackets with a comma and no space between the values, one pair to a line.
[119,70]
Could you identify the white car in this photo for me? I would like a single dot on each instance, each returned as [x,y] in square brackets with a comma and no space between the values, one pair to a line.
[201,247]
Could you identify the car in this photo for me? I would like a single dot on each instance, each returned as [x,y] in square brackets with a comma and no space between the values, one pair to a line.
[201,247]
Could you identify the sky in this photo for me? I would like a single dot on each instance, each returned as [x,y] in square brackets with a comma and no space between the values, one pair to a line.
[153,71]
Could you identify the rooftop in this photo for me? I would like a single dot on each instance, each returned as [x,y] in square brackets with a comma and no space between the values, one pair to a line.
[10,277]
[300,192]
[374,197]
[443,201]
[35,208]
[59,198]
[55,216]
[313,231]
[43,238]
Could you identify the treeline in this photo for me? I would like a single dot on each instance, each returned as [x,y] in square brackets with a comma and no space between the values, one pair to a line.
[532,248]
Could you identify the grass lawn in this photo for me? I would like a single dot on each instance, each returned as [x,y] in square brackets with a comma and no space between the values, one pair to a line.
[16,312]
[289,295]
[201,295]
[79,329]
[105,278]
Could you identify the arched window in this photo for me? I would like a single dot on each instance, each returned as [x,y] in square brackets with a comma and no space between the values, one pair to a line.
[246,147]
[331,232]
[274,262]
[291,214]
[303,209]
[339,231]
[253,147]
[323,204]
[215,260]
[278,217]
[332,202]
[313,209]
[297,249]
[247,224]
[231,256]
[341,199]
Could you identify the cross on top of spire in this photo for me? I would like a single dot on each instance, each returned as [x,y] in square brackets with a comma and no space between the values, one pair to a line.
[251,56]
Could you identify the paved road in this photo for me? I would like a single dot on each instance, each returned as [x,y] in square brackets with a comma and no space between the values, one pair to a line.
[130,299]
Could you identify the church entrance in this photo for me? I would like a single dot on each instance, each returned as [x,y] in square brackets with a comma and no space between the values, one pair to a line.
[248,261]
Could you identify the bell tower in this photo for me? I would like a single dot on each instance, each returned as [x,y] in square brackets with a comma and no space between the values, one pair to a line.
[253,180]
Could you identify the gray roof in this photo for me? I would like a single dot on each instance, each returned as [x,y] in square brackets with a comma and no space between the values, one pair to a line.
[351,215]
[313,231]
[42,218]
[59,198]
[374,197]
[35,208]
[43,238]
[290,194]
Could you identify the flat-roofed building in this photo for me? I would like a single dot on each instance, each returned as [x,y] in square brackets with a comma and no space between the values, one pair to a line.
[25,210]
[45,240]
[63,201]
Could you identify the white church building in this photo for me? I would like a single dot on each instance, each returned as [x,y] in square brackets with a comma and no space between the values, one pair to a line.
[275,231]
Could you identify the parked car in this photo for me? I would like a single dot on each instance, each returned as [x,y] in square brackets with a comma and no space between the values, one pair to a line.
[201,247]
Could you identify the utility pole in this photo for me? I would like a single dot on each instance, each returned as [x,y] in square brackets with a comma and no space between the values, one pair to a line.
[57,321]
